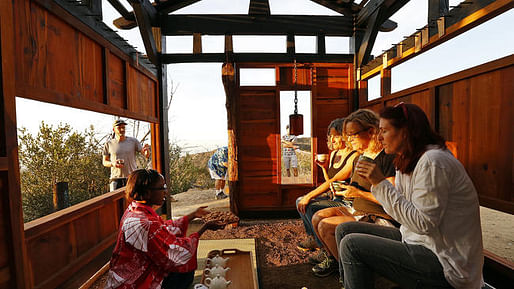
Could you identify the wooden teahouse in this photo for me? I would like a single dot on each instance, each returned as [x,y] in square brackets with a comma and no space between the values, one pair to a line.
[59,51]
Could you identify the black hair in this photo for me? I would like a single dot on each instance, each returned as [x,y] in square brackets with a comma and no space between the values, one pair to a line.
[336,124]
[139,182]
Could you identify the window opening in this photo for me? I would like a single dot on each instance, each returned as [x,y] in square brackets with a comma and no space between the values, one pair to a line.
[62,147]
[296,150]
[374,91]
[484,43]
[257,77]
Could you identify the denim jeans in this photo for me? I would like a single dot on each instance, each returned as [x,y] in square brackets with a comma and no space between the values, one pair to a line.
[118,183]
[176,280]
[365,249]
[315,205]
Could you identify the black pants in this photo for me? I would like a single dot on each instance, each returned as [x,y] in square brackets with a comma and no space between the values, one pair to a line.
[178,280]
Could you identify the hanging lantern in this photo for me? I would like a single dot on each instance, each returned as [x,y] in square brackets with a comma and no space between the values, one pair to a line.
[295,120]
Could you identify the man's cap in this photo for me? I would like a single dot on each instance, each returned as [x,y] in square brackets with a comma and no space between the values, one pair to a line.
[118,122]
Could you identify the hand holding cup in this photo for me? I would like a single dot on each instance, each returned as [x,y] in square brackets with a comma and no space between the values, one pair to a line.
[120,163]
[367,169]
[322,160]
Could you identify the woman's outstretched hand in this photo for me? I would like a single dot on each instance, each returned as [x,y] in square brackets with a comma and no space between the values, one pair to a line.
[198,213]
[369,171]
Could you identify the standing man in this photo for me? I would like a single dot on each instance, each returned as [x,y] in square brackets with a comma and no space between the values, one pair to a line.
[120,154]
[218,164]
[289,154]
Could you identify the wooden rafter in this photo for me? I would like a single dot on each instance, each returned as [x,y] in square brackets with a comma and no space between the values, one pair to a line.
[146,17]
[163,7]
[458,20]
[122,10]
[256,57]
[261,25]
[372,17]
[345,7]
[259,7]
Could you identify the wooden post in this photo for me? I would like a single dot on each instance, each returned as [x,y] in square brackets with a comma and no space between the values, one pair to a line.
[385,82]
[61,196]
[228,77]
[229,83]
[160,142]
[15,270]
[197,43]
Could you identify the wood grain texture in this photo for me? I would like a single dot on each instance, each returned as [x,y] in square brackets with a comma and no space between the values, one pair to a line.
[473,109]
[59,64]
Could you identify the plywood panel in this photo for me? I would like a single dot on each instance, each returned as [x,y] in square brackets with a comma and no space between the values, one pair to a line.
[43,249]
[87,232]
[256,199]
[107,221]
[287,76]
[59,64]
[117,83]
[258,139]
[4,221]
[91,69]
[332,82]
[422,99]
[377,107]
[491,133]
[326,113]
[49,59]
[141,93]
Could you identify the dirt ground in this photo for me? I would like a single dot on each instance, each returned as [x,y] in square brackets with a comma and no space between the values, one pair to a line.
[282,265]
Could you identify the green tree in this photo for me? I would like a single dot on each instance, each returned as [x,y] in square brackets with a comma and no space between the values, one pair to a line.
[184,172]
[59,155]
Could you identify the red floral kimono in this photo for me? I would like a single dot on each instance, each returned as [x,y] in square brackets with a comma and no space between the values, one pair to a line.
[149,248]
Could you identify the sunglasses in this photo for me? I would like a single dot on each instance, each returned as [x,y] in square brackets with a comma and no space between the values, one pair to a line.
[404,109]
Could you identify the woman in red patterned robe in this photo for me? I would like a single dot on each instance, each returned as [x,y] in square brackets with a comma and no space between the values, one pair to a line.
[150,252]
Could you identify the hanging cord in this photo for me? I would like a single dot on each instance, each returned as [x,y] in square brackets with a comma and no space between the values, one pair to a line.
[295,88]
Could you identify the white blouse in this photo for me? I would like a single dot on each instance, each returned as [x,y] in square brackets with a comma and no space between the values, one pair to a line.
[437,207]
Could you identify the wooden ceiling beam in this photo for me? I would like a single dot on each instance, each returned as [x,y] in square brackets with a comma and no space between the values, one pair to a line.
[122,10]
[259,7]
[345,7]
[257,57]
[252,25]
[390,5]
[146,17]
[163,7]
[372,17]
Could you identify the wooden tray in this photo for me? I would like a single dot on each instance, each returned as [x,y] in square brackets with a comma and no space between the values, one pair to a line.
[241,273]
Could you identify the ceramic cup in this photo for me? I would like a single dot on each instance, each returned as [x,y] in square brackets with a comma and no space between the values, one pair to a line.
[322,158]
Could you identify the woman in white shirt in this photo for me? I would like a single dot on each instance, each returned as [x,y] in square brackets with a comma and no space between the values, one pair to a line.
[439,243]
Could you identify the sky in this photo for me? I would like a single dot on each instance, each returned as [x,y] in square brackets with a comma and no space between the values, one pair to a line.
[197,117]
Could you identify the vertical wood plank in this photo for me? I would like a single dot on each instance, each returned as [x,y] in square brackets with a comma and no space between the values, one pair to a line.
[385,82]
[13,237]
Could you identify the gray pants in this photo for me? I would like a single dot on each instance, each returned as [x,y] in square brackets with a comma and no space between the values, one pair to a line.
[365,249]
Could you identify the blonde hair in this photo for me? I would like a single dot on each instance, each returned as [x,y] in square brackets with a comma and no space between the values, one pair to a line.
[367,119]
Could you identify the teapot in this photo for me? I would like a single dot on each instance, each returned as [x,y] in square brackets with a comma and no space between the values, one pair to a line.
[217,283]
[216,271]
[217,260]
